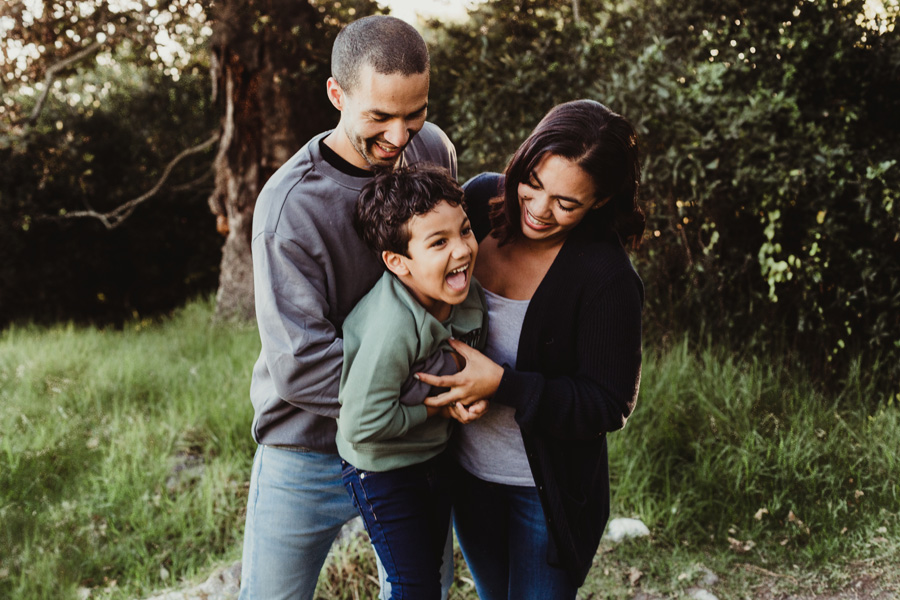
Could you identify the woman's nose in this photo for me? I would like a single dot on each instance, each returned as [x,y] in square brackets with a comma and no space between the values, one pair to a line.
[539,205]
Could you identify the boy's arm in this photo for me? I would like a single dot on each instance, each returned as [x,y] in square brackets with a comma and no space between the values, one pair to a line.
[442,362]
[377,362]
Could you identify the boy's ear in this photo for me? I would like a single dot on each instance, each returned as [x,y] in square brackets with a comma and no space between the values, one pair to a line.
[395,263]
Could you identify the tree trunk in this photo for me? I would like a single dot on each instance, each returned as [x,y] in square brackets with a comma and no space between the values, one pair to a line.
[270,60]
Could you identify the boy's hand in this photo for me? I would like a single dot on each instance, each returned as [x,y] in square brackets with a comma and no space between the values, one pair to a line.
[467,414]
[463,414]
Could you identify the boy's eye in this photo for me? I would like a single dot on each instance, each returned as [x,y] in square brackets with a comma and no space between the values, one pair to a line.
[438,243]
[467,230]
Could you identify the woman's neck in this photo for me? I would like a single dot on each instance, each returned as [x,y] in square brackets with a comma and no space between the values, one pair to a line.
[516,269]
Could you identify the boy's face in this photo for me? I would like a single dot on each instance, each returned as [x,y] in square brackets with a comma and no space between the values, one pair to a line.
[442,251]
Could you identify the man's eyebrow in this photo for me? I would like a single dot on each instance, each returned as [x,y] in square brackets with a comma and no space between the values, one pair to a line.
[384,115]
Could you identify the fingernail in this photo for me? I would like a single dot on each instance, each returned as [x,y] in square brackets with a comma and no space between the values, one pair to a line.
[416,376]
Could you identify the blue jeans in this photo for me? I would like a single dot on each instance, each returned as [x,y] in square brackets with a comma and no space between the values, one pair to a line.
[407,514]
[296,506]
[504,539]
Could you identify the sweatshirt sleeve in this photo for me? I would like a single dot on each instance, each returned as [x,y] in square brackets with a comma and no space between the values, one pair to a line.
[600,395]
[377,358]
[301,346]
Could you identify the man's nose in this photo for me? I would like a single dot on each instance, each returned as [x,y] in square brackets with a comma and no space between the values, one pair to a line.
[397,133]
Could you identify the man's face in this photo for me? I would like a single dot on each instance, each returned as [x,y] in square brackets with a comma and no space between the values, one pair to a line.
[442,251]
[379,117]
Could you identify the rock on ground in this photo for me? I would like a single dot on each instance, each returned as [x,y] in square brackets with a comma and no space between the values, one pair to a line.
[223,584]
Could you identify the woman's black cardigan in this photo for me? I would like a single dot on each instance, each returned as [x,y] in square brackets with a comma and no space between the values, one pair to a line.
[576,377]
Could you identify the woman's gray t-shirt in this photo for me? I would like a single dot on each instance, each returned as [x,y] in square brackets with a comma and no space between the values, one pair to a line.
[491,448]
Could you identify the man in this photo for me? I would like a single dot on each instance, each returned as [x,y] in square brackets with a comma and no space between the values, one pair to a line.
[310,269]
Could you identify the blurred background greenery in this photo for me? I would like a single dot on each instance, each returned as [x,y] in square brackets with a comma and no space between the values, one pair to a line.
[770,136]
[135,136]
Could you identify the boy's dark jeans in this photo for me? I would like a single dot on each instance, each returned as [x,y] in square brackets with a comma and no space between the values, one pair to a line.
[407,515]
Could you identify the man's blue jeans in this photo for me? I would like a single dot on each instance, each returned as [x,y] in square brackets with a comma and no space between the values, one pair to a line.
[407,514]
[296,506]
[504,539]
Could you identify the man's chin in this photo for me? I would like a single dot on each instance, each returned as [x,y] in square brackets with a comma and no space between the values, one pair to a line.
[382,163]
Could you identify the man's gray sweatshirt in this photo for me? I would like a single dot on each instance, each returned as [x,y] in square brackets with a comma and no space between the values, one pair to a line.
[309,271]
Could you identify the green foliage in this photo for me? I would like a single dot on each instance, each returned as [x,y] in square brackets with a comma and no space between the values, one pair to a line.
[495,76]
[770,138]
[96,153]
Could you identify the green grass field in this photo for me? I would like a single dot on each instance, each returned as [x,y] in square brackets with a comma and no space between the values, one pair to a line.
[125,455]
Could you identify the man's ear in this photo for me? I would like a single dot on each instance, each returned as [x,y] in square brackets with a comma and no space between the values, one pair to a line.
[335,93]
[395,263]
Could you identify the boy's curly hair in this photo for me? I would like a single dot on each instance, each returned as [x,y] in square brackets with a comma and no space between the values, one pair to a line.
[393,197]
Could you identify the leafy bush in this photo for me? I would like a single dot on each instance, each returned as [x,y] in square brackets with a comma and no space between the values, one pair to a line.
[97,155]
[770,136]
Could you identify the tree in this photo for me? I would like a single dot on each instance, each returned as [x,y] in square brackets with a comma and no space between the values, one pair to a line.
[75,79]
[270,63]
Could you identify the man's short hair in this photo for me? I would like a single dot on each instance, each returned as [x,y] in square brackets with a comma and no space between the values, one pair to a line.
[387,43]
[388,202]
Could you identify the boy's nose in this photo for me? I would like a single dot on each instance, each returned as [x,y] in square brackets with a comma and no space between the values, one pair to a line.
[461,249]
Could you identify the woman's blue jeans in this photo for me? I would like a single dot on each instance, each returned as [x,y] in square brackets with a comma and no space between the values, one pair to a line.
[407,514]
[504,539]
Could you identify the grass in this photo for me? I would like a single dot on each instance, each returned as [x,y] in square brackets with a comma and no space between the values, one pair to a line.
[124,454]
[124,457]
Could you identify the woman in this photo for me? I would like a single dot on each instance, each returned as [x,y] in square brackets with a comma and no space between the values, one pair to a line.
[562,364]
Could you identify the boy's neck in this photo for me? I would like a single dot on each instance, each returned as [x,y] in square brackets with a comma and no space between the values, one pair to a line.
[438,309]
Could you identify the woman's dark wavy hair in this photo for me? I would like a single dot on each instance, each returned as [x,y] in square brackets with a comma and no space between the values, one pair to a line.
[604,145]
[394,196]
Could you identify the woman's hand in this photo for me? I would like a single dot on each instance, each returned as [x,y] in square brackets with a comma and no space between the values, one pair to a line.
[478,381]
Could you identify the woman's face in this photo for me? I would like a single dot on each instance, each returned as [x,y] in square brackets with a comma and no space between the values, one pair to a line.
[554,198]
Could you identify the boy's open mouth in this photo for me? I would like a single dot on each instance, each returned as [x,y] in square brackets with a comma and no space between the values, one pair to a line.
[457,278]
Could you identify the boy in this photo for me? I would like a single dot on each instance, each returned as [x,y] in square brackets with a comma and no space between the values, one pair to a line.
[394,466]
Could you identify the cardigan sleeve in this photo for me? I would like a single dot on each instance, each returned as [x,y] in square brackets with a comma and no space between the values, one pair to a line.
[601,392]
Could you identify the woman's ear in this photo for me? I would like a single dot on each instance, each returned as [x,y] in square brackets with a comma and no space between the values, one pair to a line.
[395,263]
[601,203]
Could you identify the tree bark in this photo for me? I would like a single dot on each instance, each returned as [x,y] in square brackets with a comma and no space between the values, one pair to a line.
[269,65]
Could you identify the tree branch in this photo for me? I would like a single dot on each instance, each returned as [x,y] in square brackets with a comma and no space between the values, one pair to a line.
[50,76]
[183,187]
[116,216]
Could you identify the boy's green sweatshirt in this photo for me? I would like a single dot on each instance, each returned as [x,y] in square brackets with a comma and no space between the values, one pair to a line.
[386,333]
